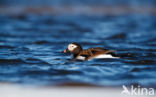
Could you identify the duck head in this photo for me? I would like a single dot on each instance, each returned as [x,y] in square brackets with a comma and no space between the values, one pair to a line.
[73,48]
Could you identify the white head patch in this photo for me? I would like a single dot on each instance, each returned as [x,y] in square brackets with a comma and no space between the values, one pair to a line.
[71,47]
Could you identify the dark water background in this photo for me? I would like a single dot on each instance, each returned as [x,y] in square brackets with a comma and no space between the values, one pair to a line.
[31,46]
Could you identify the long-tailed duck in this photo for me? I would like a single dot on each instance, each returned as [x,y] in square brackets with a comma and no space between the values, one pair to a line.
[88,54]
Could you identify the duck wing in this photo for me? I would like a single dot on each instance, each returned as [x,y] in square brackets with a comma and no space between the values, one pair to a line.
[93,52]
[100,50]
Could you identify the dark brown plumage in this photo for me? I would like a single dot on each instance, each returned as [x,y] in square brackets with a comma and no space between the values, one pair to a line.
[87,54]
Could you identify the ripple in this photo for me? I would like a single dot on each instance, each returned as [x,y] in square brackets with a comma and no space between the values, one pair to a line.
[11,61]
[49,72]
[35,61]
[143,62]
[6,47]
[42,42]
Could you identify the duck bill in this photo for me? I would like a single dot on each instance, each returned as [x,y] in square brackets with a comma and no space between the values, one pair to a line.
[66,51]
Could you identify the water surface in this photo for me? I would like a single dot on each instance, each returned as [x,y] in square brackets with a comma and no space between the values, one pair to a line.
[31,46]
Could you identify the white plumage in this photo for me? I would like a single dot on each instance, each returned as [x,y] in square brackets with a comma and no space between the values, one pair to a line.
[97,57]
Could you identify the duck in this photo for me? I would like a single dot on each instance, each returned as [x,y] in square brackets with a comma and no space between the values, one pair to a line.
[87,54]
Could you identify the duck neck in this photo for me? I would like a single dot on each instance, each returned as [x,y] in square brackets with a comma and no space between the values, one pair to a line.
[75,55]
[76,52]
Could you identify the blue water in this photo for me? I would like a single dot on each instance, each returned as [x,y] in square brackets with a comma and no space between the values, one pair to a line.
[31,46]
[78,2]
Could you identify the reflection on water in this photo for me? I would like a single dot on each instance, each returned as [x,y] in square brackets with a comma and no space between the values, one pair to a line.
[31,46]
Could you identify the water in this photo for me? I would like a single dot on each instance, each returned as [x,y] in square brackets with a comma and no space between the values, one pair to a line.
[31,46]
